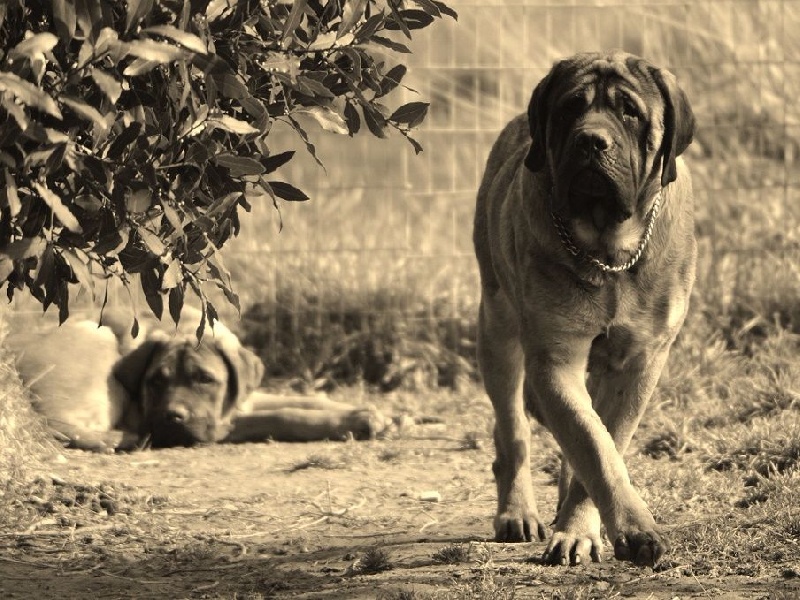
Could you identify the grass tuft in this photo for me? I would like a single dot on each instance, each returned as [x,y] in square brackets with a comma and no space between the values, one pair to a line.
[452,554]
[375,560]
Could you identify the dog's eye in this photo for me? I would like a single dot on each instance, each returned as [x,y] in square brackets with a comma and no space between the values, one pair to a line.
[157,379]
[204,377]
[630,110]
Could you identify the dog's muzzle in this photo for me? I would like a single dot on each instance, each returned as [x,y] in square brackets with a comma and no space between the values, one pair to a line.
[571,246]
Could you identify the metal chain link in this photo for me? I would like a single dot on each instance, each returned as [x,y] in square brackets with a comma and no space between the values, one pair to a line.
[573,249]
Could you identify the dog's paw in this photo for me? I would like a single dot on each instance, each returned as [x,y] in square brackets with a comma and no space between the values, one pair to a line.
[643,548]
[571,548]
[577,544]
[519,527]
[367,423]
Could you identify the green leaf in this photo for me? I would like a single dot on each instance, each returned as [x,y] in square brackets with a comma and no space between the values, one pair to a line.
[64,17]
[15,110]
[88,202]
[352,13]
[327,118]
[62,301]
[375,121]
[409,19]
[79,269]
[222,75]
[139,200]
[392,45]
[37,158]
[151,240]
[370,26]
[28,94]
[398,21]
[108,84]
[6,269]
[86,112]
[411,114]
[239,166]
[231,125]
[173,217]
[152,288]
[415,144]
[36,44]
[63,214]
[275,161]
[173,276]
[176,296]
[392,79]
[307,84]
[124,139]
[112,242]
[158,52]
[12,197]
[429,7]
[287,191]
[293,20]
[28,247]
[188,40]
[140,66]
[137,9]
[446,10]
[352,118]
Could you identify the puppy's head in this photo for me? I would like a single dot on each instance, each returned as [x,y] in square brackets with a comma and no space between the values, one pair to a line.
[607,130]
[188,393]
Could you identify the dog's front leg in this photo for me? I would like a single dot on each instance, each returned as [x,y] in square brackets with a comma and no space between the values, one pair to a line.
[557,387]
[501,362]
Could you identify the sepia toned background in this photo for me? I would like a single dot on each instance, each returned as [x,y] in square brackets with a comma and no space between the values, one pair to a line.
[387,234]
[371,286]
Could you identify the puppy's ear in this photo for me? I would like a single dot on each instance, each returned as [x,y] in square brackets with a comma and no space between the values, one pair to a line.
[538,114]
[129,370]
[252,370]
[246,371]
[679,124]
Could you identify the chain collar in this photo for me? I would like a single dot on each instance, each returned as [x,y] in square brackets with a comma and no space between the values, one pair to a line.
[572,247]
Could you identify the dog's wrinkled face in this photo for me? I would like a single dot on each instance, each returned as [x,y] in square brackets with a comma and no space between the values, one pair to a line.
[186,395]
[607,128]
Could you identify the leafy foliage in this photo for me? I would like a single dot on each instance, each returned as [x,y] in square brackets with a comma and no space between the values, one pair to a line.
[132,133]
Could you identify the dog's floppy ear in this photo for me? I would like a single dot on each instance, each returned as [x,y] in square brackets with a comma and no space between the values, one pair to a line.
[246,373]
[679,124]
[129,370]
[538,114]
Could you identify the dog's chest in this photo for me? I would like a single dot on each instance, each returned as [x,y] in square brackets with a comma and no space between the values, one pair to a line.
[649,308]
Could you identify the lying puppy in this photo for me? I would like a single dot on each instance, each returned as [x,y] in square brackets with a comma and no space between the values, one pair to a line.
[99,389]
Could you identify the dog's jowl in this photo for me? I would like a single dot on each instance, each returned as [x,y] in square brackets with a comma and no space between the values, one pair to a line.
[585,243]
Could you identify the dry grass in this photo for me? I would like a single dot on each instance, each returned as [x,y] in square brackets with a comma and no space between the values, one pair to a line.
[23,440]
[376,289]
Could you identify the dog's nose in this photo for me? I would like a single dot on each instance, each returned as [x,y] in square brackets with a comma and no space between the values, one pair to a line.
[177,414]
[591,141]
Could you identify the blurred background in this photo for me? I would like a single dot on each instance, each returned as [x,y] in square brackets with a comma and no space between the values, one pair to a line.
[374,281]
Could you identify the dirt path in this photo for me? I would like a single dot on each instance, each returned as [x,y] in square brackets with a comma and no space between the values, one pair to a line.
[322,520]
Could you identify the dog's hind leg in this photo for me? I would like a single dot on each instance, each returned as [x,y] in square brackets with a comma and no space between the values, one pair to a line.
[501,363]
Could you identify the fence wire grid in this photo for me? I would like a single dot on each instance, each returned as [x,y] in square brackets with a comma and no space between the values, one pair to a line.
[388,231]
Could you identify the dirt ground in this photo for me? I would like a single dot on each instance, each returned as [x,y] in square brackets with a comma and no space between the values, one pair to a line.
[408,517]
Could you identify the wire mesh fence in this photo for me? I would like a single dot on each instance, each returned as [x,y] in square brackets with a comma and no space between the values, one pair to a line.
[384,246]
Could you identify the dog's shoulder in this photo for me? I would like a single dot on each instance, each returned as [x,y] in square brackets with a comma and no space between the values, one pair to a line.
[508,152]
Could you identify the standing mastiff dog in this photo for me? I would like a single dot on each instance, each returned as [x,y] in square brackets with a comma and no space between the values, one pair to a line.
[585,241]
